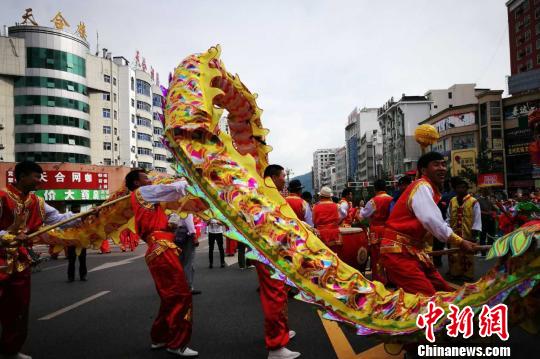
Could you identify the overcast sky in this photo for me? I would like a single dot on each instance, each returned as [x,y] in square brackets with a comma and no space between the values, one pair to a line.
[311,61]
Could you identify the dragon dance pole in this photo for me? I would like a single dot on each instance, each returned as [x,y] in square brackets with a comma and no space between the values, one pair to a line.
[61,223]
[453,250]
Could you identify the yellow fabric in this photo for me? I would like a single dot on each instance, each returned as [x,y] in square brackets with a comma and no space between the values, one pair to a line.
[462,223]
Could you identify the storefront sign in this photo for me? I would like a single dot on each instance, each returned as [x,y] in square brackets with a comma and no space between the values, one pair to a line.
[69,179]
[465,119]
[462,159]
[490,180]
[73,194]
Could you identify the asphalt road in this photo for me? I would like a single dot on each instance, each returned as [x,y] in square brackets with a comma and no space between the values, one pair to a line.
[110,315]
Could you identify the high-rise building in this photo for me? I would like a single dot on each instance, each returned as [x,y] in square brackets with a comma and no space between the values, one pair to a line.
[398,120]
[455,95]
[51,112]
[370,156]
[322,159]
[341,170]
[59,103]
[524,39]
[359,123]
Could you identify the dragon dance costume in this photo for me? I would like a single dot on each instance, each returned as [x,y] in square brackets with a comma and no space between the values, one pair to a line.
[414,219]
[18,213]
[173,324]
[378,210]
[464,218]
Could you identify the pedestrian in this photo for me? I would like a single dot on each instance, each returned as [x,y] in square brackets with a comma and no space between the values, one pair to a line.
[273,294]
[377,210]
[22,212]
[487,210]
[173,325]
[215,235]
[465,220]
[72,256]
[416,215]
[185,239]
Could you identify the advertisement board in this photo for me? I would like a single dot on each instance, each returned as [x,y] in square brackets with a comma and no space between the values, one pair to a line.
[462,159]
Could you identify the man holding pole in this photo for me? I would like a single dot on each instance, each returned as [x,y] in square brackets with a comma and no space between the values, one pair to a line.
[21,213]
[173,325]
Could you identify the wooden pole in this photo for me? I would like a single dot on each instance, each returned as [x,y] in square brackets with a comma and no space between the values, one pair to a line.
[70,219]
[453,250]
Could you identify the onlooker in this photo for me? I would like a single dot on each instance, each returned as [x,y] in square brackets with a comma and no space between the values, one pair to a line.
[215,234]
[488,223]
[72,256]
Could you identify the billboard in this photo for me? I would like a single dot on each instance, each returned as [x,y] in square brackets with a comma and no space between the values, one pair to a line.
[490,180]
[462,159]
[70,179]
[464,119]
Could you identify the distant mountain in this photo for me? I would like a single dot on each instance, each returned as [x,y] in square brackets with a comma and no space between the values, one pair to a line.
[306,182]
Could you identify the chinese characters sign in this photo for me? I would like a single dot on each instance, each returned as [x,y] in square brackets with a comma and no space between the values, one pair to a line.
[491,321]
[490,179]
[73,194]
[70,179]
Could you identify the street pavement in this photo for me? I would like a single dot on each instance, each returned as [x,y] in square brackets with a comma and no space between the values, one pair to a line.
[110,315]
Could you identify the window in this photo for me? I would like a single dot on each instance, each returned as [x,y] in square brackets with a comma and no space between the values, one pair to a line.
[106,113]
[160,157]
[132,134]
[538,44]
[158,131]
[156,100]
[160,169]
[537,28]
[132,103]
[51,138]
[143,87]
[114,96]
[106,96]
[450,106]
[529,64]
[132,85]
[450,95]
[115,114]
[519,40]
[106,146]
[145,165]
[144,122]
[144,151]
[116,147]
[132,118]
[107,79]
[537,13]
[538,59]
[52,157]
[141,105]
[37,57]
[158,144]
[528,35]
[49,82]
[107,130]
[528,50]
[107,161]
[114,81]
[116,131]
[51,101]
[518,26]
[527,20]
[144,137]
[52,120]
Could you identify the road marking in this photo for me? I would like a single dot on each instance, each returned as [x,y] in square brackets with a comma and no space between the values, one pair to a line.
[53,267]
[343,348]
[115,264]
[74,305]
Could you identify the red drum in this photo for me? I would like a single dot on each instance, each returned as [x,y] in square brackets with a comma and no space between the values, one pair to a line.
[355,247]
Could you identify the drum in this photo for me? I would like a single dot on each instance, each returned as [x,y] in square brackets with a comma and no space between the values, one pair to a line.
[355,247]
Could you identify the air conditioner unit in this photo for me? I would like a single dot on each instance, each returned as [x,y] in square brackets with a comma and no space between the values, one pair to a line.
[2,147]
[1,126]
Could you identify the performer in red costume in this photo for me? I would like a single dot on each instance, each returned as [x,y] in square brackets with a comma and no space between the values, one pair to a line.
[297,203]
[273,295]
[21,212]
[378,210]
[173,325]
[326,218]
[345,207]
[414,217]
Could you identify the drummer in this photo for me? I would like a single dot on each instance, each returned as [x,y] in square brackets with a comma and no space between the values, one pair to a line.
[378,210]
[326,219]
[345,207]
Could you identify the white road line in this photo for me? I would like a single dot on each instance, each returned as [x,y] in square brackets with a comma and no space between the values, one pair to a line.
[115,264]
[53,267]
[74,305]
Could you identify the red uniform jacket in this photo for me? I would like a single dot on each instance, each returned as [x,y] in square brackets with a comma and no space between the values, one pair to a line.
[326,220]
[382,208]
[297,204]
[18,213]
[149,217]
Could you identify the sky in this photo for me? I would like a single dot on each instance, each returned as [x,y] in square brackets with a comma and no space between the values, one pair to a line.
[310,61]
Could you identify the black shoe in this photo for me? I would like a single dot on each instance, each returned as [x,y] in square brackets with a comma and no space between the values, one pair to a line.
[71,280]
[83,279]
[222,265]
[195,292]
[210,266]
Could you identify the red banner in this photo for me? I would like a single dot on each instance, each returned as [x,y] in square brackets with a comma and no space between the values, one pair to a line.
[490,180]
[69,180]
